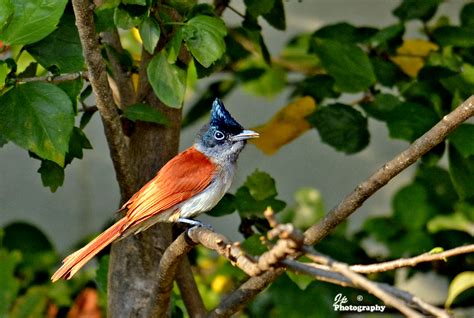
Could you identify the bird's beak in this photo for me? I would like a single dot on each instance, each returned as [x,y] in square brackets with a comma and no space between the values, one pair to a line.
[246,134]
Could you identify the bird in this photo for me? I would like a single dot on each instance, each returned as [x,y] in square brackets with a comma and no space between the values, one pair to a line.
[191,183]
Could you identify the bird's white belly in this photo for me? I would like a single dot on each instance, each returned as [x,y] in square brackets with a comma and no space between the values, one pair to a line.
[210,196]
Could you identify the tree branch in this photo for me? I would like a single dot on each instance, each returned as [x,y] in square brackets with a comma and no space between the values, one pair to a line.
[405,262]
[117,141]
[317,232]
[189,291]
[54,79]
[363,191]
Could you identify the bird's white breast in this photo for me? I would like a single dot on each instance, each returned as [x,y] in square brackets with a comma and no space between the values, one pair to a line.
[210,196]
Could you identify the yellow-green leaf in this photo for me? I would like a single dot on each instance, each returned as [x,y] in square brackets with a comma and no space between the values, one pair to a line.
[411,55]
[459,284]
[285,126]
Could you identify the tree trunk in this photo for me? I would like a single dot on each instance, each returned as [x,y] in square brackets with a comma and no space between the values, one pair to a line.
[134,261]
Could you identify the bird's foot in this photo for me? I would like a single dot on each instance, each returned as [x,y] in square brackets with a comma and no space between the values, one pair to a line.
[195,223]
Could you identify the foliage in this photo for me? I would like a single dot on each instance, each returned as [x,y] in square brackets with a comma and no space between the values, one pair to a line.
[408,84]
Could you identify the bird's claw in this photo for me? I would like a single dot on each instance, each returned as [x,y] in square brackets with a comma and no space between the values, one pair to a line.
[195,223]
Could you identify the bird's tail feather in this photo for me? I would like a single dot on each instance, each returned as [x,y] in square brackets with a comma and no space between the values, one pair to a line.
[76,260]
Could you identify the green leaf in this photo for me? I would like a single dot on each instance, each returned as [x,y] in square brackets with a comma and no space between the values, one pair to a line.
[462,172]
[344,32]
[3,141]
[455,36]
[101,278]
[253,245]
[456,221]
[150,33]
[174,46]
[145,112]
[387,73]
[6,12]
[411,243]
[308,210]
[32,20]
[4,70]
[388,37]
[204,37]
[409,121]
[168,81]
[73,90]
[341,127]
[347,63]
[38,117]
[467,15]
[270,83]
[124,19]
[463,82]
[437,182]
[137,2]
[104,19]
[26,238]
[64,39]
[259,7]
[52,175]
[261,185]
[382,106]
[32,304]
[248,206]
[459,284]
[77,143]
[463,139]
[10,285]
[412,208]
[414,9]
[225,206]
[319,87]
[382,229]
[302,281]
[276,16]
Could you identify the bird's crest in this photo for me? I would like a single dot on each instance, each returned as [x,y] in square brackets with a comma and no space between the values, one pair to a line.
[221,118]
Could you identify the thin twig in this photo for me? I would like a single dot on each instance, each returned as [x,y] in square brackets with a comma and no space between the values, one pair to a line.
[412,261]
[55,79]
[338,279]
[105,103]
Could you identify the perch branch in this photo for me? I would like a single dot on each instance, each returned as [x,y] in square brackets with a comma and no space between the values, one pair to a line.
[412,261]
[381,177]
[117,141]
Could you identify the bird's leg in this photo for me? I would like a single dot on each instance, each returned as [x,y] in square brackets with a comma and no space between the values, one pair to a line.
[194,223]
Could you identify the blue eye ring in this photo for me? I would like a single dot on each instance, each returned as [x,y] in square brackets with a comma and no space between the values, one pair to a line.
[219,135]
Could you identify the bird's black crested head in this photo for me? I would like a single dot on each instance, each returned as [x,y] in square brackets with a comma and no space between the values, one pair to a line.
[222,120]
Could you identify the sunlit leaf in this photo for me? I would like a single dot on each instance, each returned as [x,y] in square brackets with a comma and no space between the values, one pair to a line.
[6,12]
[459,284]
[261,185]
[32,20]
[64,39]
[168,81]
[456,221]
[411,55]
[286,125]
[39,117]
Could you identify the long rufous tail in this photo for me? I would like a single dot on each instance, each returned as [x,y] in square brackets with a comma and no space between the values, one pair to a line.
[76,260]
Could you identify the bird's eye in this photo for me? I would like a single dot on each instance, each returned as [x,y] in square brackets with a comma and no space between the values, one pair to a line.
[218,135]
